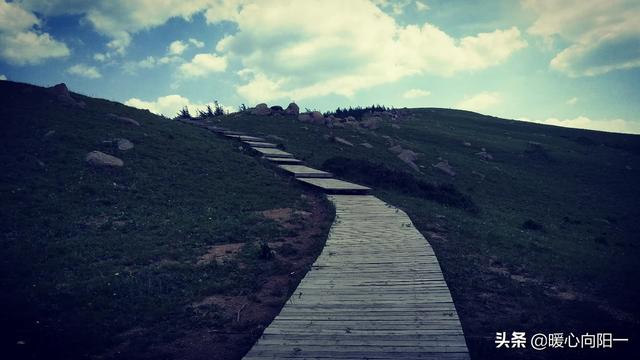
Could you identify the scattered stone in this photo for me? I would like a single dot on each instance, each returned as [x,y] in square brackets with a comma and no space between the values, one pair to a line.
[261,109]
[395,126]
[480,175]
[350,118]
[628,167]
[396,149]
[277,109]
[61,92]
[367,145]
[445,168]
[371,123]
[409,157]
[98,158]
[123,144]
[123,119]
[484,155]
[466,143]
[49,133]
[292,109]
[304,117]
[317,118]
[342,141]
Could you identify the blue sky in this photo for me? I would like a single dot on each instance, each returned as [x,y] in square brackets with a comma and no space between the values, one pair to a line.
[570,63]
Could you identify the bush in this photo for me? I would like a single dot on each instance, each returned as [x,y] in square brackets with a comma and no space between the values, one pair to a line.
[532,225]
[356,112]
[378,175]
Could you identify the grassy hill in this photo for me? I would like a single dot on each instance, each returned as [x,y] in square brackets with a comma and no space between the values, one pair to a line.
[540,236]
[189,248]
[118,262]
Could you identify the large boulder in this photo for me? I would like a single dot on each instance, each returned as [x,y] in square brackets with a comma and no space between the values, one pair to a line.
[304,117]
[123,119]
[62,94]
[98,158]
[261,109]
[408,157]
[292,109]
[317,118]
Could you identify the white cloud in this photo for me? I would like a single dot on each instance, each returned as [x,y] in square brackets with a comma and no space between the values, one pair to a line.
[3,77]
[21,42]
[421,6]
[177,47]
[572,101]
[89,72]
[100,57]
[299,59]
[170,105]
[603,36]
[119,19]
[480,102]
[197,43]
[202,65]
[583,122]
[415,93]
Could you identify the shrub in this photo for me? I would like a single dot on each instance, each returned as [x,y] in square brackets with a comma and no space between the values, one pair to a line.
[184,113]
[378,175]
[532,225]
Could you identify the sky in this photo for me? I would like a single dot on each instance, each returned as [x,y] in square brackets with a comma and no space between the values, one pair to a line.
[571,63]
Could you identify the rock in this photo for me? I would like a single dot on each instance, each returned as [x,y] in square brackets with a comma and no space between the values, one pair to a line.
[123,119]
[338,119]
[371,123]
[98,158]
[62,94]
[275,137]
[409,157]
[338,125]
[349,118]
[466,143]
[317,118]
[367,145]
[292,109]
[395,126]
[396,149]
[123,144]
[351,124]
[304,117]
[49,133]
[261,109]
[342,141]
[485,155]
[277,109]
[445,168]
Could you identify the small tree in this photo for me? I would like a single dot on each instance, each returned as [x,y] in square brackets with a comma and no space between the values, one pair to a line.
[219,110]
[184,113]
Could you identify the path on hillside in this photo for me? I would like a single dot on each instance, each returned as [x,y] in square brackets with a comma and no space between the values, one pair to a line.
[375,292]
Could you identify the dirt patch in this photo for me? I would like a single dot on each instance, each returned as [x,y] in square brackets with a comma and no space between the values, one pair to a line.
[220,253]
[247,315]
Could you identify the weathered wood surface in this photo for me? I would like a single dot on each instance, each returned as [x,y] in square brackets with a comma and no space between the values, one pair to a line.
[283,160]
[375,292]
[274,153]
[335,186]
[260,144]
[250,138]
[305,171]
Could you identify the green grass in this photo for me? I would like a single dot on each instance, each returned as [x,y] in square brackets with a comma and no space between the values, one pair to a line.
[91,253]
[580,186]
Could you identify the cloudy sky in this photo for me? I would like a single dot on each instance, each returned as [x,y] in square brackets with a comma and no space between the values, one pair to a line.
[573,63]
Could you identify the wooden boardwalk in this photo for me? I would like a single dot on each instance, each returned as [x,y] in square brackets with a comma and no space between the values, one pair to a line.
[375,292]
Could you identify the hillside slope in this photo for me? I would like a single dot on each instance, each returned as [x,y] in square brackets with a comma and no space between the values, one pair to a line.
[536,227]
[125,262]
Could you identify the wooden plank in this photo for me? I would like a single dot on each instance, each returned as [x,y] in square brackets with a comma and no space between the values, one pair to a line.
[300,171]
[335,186]
[250,138]
[256,144]
[283,160]
[273,153]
